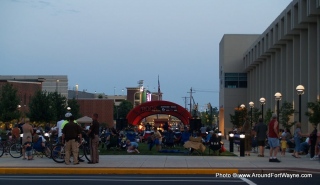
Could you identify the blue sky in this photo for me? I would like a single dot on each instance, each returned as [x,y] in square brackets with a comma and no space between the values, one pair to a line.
[108,45]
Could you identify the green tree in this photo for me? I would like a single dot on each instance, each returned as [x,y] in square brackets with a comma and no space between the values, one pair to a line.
[239,117]
[314,112]
[121,111]
[286,111]
[9,102]
[46,107]
[40,108]
[268,116]
[58,105]
[75,108]
[255,115]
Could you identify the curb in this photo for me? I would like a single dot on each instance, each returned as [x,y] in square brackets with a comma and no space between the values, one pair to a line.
[146,171]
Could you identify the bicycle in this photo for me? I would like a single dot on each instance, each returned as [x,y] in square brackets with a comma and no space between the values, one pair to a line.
[12,147]
[58,151]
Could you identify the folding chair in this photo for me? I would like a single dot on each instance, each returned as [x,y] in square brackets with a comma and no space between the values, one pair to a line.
[214,145]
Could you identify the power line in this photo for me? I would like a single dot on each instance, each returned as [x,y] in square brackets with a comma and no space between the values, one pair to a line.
[206,90]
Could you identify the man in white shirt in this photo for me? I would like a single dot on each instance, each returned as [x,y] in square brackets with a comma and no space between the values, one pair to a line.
[60,125]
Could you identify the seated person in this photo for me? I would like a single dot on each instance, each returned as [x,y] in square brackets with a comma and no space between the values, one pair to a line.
[208,137]
[39,141]
[214,143]
[169,138]
[132,146]
[304,147]
[112,139]
[185,136]
[289,138]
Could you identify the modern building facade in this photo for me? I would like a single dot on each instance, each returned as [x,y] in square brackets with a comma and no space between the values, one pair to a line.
[50,83]
[285,55]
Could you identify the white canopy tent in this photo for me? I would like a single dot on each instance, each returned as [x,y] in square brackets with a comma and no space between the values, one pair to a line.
[84,119]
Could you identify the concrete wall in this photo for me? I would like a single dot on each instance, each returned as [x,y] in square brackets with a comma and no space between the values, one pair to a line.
[232,47]
[287,54]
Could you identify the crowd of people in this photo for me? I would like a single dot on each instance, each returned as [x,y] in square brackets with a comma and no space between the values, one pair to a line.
[68,132]
[280,140]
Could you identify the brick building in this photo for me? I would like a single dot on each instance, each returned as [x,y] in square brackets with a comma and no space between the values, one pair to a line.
[103,107]
[25,90]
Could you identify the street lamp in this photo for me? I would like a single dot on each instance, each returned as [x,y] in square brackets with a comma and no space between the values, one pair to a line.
[219,135]
[300,91]
[251,104]
[231,135]
[242,136]
[262,102]
[77,88]
[242,106]
[278,98]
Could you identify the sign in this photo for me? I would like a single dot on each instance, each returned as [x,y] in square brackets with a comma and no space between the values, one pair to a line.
[161,108]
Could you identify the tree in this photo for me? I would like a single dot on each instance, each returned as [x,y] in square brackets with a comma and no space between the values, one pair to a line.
[121,111]
[286,112]
[9,102]
[239,117]
[255,115]
[58,105]
[46,107]
[73,104]
[268,116]
[314,112]
[40,108]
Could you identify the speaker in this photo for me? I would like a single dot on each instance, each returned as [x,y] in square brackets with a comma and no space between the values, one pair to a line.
[195,124]
[121,124]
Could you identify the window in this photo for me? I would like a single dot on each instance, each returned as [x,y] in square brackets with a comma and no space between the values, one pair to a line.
[235,80]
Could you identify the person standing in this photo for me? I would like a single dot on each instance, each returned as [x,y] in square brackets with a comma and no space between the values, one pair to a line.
[246,129]
[28,148]
[71,135]
[59,125]
[157,139]
[93,134]
[261,135]
[313,142]
[15,133]
[27,131]
[273,138]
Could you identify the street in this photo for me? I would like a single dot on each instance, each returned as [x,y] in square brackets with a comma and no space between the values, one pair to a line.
[148,179]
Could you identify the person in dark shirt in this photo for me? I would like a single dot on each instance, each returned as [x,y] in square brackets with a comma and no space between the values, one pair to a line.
[94,139]
[71,135]
[261,135]
[28,148]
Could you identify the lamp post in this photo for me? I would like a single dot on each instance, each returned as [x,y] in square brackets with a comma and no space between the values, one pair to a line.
[231,135]
[251,104]
[262,102]
[300,91]
[77,88]
[278,98]
[219,135]
[242,136]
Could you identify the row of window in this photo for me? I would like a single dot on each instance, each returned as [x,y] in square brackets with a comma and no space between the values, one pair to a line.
[235,80]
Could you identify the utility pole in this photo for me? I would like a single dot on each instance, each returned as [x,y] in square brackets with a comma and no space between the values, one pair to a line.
[191,98]
[185,101]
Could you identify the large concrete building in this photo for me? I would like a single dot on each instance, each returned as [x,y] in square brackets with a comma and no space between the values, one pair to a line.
[285,55]
[50,83]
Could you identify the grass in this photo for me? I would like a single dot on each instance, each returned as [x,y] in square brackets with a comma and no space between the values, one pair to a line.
[143,148]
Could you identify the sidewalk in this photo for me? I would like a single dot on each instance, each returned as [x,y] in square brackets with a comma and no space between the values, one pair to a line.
[151,164]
